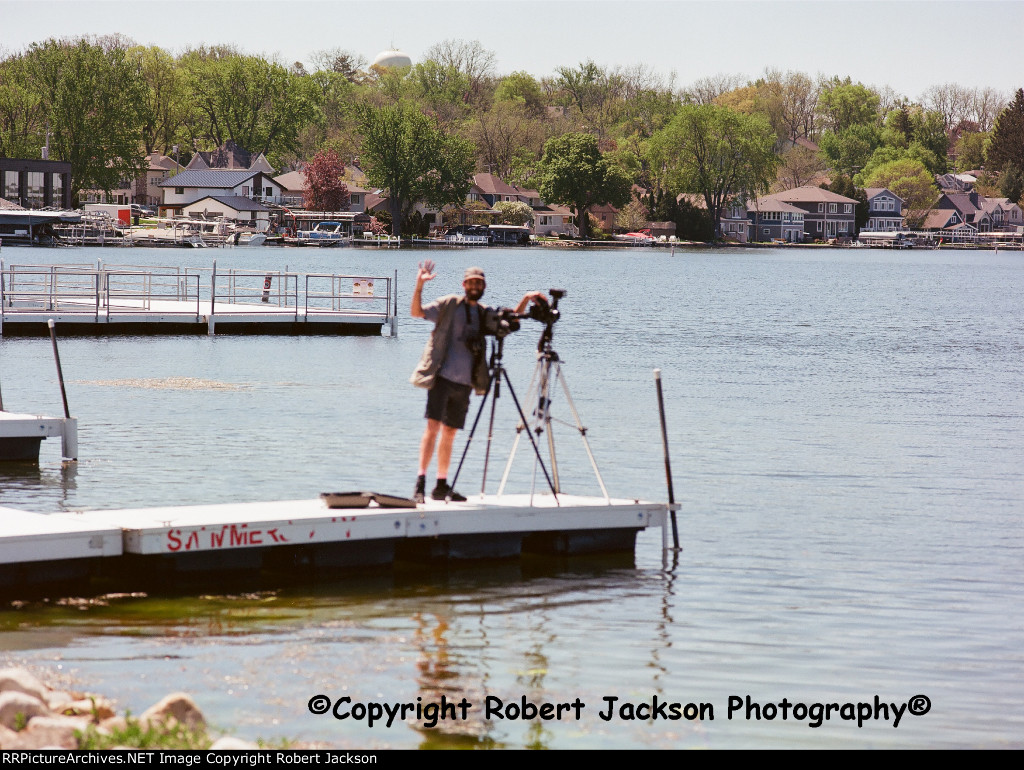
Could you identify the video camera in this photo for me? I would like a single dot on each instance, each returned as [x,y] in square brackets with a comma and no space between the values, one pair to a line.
[502,321]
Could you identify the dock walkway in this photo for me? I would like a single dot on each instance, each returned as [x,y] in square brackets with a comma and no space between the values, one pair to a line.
[100,300]
[161,548]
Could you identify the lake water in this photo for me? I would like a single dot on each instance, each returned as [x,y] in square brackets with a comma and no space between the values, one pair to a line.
[847,435]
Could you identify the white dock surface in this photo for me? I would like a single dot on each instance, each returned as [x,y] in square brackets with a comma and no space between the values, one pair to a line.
[183,529]
[29,537]
[14,425]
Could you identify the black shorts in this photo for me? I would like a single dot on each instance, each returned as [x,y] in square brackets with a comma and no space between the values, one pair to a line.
[448,402]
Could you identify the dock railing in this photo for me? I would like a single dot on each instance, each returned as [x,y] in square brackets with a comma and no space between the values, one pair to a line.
[105,290]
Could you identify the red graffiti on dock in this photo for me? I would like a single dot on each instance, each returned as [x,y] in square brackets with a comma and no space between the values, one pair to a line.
[229,536]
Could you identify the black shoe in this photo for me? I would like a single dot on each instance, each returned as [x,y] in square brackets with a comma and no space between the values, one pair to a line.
[444,492]
[421,489]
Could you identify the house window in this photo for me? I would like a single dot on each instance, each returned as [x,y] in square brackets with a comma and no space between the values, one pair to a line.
[179,190]
[819,226]
[821,208]
[833,208]
[848,208]
[765,231]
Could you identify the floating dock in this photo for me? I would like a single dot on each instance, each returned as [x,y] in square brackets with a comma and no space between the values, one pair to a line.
[21,434]
[158,549]
[101,300]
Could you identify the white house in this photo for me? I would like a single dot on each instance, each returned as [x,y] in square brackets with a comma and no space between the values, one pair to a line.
[192,185]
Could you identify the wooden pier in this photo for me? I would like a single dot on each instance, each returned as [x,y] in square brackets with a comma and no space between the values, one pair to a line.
[101,300]
[157,549]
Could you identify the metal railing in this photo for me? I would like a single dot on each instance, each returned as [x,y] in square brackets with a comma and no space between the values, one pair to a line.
[119,289]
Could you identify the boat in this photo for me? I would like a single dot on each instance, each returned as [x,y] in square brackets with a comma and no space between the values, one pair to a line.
[639,238]
[190,233]
[329,233]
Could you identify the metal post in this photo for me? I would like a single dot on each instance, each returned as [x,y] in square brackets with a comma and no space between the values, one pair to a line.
[668,466]
[56,358]
[213,294]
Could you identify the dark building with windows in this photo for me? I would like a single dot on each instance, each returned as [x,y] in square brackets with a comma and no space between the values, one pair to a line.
[36,184]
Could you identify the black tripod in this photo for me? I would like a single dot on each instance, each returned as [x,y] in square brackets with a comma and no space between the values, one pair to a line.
[498,372]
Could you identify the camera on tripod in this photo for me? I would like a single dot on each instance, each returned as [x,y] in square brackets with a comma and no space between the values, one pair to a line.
[502,321]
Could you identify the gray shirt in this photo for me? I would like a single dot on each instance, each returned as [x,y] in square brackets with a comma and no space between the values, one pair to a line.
[458,363]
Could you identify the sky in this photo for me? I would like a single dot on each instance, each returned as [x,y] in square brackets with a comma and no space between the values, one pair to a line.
[906,45]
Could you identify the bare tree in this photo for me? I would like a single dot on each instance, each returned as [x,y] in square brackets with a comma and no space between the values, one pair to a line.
[986,104]
[707,90]
[468,57]
[951,100]
[344,62]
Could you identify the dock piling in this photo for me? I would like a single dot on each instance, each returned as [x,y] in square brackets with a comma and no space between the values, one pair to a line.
[668,465]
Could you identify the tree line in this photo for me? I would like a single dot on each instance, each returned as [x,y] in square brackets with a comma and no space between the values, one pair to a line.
[584,135]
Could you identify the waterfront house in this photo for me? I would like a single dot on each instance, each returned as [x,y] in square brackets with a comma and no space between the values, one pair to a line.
[885,210]
[549,220]
[193,185]
[293,186]
[827,215]
[983,214]
[775,220]
[735,222]
[490,189]
[145,189]
[235,208]
[35,184]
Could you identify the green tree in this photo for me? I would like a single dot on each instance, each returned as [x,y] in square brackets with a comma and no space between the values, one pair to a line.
[843,104]
[573,172]
[849,151]
[514,213]
[22,125]
[521,88]
[165,107]
[910,180]
[970,150]
[442,88]
[404,151]
[1011,182]
[1007,143]
[257,103]
[715,152]
[92,99]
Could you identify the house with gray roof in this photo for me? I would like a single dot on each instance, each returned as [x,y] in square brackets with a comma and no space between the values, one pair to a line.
[232,207]
[885,210]
[827,215]
[192,185]
[775,220]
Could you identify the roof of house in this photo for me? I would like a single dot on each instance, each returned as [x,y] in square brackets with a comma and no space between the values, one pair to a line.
[522,192]
[873,191]
[161,162]
[295,181]
[773,204]
[208,178]
[489,184]
[10,205]
[236,202]
[228,156]
[808,194]
[937,219]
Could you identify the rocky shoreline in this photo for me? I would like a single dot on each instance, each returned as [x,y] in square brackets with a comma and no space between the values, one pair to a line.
[34,716]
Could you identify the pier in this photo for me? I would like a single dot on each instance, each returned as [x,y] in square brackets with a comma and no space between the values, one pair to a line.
[101,300]
[165,548]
